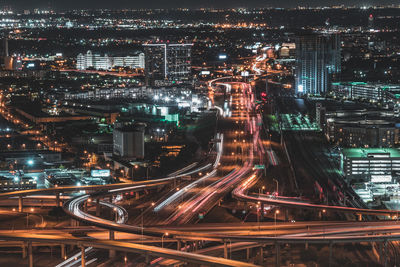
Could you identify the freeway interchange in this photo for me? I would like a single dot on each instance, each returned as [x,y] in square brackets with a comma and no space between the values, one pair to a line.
[173,219]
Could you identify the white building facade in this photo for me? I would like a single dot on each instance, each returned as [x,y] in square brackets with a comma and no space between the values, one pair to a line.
[99,62]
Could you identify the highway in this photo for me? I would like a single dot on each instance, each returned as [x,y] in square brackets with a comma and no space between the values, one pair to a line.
[127,247]
[244,178]
[173,217]
[233,162]
[240,193]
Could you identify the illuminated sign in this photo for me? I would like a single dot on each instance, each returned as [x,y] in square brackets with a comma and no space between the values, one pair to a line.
[205,72]
[222,56]
[381,178]
[100,173]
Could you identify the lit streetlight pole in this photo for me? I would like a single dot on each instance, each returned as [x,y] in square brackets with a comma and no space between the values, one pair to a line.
[162,239]
[276,213]
[258,219]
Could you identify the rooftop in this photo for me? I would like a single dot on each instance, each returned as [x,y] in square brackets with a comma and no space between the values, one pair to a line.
[363,152]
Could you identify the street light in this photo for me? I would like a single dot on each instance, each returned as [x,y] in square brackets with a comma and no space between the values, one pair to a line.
[162,239]
[276,213]
[323,212]
[260,190]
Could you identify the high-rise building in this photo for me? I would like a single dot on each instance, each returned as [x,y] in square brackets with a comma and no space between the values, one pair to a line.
[371,21]
[317,62]
[167,63]
[128,141]
[98,62]
[3,51]
[320,115]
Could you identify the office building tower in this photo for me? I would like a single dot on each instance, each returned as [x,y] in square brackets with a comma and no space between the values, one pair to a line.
[167,63]
[318,61]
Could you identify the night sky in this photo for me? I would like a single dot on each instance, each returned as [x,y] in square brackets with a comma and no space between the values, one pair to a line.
[67,4]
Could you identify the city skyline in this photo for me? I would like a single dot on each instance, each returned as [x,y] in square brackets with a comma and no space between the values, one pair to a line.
[155,4]
[240,137]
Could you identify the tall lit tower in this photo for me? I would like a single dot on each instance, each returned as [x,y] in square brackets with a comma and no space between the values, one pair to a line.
[318,60]
[371,21]
[170,63]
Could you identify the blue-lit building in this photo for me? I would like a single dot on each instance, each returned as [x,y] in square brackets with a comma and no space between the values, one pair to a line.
[318,60]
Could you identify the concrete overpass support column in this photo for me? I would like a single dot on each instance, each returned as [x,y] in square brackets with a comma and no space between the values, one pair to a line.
[30,255]
[306,246]
[277,254]
[97,207]
[248,253]
[24,246]
[330,254]
[385,253]
[261,256]
[111,253]
[74,223]
[137,195]
[57,199]
[85,206]
[359,217]
[225,250]
[286,214]
[178,245]
[63,252]
[147,258]
[20,204]
[83,257]
[262,212]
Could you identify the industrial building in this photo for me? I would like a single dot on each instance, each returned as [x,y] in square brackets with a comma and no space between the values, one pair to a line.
[374,92]
[362,133]
[371,165]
